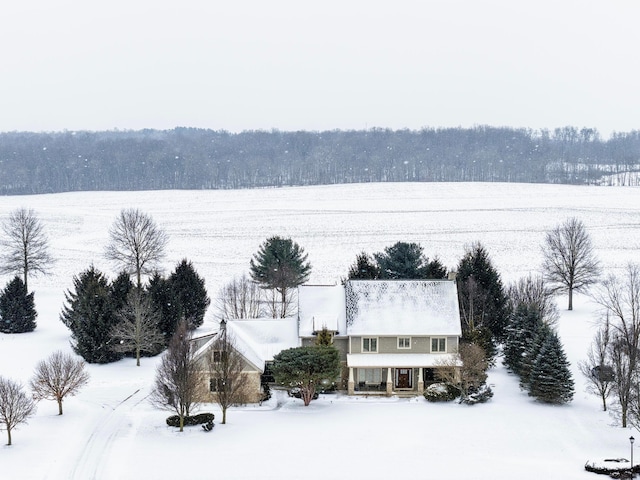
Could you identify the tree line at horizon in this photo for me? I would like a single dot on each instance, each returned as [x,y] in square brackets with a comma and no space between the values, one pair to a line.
[190,158]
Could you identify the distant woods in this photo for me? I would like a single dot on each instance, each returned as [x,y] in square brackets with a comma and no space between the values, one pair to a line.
[188,158]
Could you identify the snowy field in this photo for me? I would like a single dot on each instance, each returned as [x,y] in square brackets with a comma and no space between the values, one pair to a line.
[109,431]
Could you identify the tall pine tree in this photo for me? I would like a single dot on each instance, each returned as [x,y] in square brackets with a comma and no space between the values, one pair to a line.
[168,311]
[17,308]
[189,294]
[524,322]
[550,380]
[482,299]
[90,316]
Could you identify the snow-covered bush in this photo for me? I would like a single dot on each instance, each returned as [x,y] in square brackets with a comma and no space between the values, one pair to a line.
[174,420]
[481,395]
[441,392]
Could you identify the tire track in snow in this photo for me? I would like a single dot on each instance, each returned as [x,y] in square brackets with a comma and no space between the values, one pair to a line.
[90,462]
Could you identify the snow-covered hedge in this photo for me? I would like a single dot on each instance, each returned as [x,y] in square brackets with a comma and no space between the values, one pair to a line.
[441,392]
[614,467]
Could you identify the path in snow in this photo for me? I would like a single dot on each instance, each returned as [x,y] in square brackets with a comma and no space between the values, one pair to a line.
[91,460]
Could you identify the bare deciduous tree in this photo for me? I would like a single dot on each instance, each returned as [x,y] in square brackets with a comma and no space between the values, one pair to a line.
[597,368]
[15,406]
[226,365]
[26,246]
[569,263]
[178,380]
[277,306]
[58,376]
[240,298]
[466,370]
[136,243]
[533,291]
[620,299]
[138,329]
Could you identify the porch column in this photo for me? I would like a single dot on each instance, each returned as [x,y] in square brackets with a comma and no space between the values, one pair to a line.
[351,383]
[420,381]
[389,382]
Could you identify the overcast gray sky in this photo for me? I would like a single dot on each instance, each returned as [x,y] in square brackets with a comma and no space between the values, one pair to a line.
[336,64]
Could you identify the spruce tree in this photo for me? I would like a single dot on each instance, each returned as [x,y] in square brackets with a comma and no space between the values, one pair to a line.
[189,293]
[17,308]
[404,260]
[120,289]
[483,302]
[550,380]
[364,268]
[524,322]
[90,316]
[528,361]
[168,311]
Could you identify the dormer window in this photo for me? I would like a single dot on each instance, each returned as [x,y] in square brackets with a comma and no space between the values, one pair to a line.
[404,343]
[370,344]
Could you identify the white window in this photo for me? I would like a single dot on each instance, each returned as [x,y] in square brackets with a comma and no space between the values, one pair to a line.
[404,342]
[438,344]
[370,375]
[370,344]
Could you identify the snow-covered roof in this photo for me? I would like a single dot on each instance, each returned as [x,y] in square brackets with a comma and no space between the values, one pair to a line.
[403,360]
[321,306]
[402,307]
[259,340]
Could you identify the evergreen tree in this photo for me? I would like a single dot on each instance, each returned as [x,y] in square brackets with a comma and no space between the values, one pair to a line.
[280,265]
[17,308]
[402,261]
[528,361]
[364,268]
[483,302]
[161,297]
[524,322]
[120,289]
[550,379]
[90,316]
[189,294]
[407,261]
[435,269]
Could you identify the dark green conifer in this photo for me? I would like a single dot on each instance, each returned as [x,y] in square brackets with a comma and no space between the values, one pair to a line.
[90,316]
[550,380]
[17,308]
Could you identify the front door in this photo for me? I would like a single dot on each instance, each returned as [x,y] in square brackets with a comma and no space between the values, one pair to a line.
[403,377]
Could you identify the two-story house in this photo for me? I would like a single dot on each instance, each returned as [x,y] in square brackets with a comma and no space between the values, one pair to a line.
[393,335]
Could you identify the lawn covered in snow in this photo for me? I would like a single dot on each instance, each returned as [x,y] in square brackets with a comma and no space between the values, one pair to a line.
[110,431]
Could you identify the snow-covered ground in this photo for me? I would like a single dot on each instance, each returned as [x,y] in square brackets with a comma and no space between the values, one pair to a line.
[110,431]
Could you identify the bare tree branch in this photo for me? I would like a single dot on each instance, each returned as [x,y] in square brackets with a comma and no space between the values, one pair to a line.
[136,243]
[569,260]
[26,248]
[58,376]
[226,365]
[15,406]
[178,383]
[138,329]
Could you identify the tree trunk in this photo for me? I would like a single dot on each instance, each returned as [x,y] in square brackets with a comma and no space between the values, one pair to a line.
[224,415]
[59,406]
[182,423]
[9,435]
[570,298]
